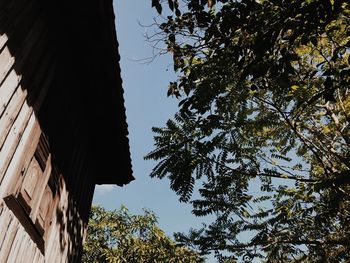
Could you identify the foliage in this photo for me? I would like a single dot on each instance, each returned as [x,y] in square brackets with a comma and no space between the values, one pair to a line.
[262,127]
[117,236]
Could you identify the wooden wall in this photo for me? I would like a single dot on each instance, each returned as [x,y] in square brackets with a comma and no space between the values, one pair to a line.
[48,126]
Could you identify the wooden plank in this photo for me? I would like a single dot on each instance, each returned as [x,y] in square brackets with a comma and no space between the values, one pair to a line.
[4,9]
[51,214]
[2,208]
[32,41]
[63,258]
[51,240]
[28,187]
[3,40]
[22,156]
[8,241]
[53,234]
[10,143]
[55,250]
[80,190]
[85,194]
[41,259]
[42,151]
[10,9]
[24,250]
[44,216]
[41,187]
[5,12]
[61,225]
[35,33]
[18,21]
[36,66]
[44,88]
[33,250]
[37,256]
[10,114]
[7,89]
[88,200]
[6,62]
[13,138]
[29,251]
[15,245]
[6,219]
[74,167]
[25,221]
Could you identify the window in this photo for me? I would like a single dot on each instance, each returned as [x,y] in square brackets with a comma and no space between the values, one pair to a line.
[33,200]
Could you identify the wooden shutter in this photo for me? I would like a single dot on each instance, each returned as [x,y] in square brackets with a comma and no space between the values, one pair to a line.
[44,215]
[32,178]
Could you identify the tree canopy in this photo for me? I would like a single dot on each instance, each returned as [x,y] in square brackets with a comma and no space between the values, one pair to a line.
[262,129]
[118,236]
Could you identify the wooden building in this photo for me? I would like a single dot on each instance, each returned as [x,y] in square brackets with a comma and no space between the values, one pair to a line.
[62,124]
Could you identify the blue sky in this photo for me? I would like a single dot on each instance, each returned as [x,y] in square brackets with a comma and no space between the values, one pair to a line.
[145,87]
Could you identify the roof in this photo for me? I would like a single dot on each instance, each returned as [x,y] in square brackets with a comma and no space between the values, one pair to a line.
[89,82]
[116,163]
[68,51]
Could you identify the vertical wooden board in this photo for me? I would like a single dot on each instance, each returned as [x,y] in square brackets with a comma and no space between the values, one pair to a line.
[44,215]
[10,12]
[64,254]
[12,140]
[53,236]
[3,10]
[8,240]
[37,33]
[55,252]
[73,170]
[29,254]
[30,182]
[14,136]
[88,199]
[5,221]
[42,184]
[33,251]
[41,259]
[37,256]
[50,243]
[6,62]
[12,179]
[44,65]
[3,40]
[7,89]
[16,245]
[20,20]
[85,192]
[62,227]
[10,114]
[44,87]
[24,251]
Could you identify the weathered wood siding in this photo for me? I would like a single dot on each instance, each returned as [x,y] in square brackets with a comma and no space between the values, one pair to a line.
[46,89]
[20,131]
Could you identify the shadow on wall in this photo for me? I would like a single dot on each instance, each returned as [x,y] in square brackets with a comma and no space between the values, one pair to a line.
[55,53]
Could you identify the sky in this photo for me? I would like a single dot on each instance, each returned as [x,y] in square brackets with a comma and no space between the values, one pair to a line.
[145,87]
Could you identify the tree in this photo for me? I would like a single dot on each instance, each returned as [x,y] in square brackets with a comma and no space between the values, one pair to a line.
[262,127]
[117,236]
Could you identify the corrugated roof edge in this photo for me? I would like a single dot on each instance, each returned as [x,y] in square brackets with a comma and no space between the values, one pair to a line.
[127,173]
